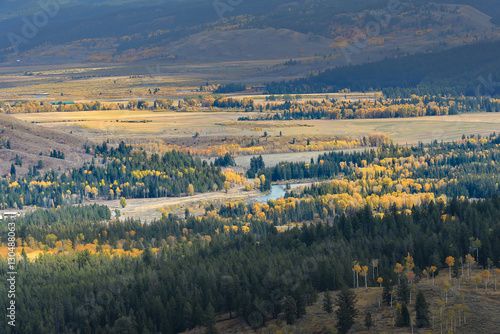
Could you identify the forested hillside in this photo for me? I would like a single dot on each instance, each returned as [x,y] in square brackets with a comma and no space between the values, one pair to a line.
[127,31]
[394,205]
[113,173]
[185,284]
[469,70]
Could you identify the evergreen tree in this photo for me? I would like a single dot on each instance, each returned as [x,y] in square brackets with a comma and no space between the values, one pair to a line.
[422,309]
[368,320]
[386,293]
[327,302]
[346,302]
[290,308]
[403,290]
[403,316]
[210,320]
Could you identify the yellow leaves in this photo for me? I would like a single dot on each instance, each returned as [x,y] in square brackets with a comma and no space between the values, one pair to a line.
[364,270]
[190,190]
[469,259]
[41,184]
[450,261]
[409,262]
[140,174]
[399,268]
[485,275]
[234,178]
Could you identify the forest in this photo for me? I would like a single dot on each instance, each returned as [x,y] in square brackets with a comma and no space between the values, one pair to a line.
[420,74]
[183,284]
[113,173]
[414,106]
[465,167]
[390,204]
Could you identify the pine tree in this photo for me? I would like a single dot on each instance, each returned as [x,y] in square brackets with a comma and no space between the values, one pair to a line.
[346,302]
[210,320]
[403,290]
[327,302]
[368,320]
[403,316]
[290,308]
[300,302]
[386,294]
[422,309]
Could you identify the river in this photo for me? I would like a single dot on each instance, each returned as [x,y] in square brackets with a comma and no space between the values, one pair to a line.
[276,192]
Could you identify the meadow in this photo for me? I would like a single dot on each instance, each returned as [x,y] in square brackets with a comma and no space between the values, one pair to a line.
[174,126]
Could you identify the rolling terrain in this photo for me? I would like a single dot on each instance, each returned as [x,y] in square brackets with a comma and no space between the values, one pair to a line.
[32,143]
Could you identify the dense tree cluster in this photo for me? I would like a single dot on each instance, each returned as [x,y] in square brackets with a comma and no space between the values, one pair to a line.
[177,288]
[393,108]
[467,167]
[226,161]
[230,88]
[122,173]
[424,74]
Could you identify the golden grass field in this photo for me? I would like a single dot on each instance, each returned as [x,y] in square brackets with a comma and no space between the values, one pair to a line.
[99,125]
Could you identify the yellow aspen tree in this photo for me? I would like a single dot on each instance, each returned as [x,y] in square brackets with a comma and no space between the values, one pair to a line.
[374,265]
[190,190]
[356,269]
[469,259]
[398,270]
[478,281]
[410,276]
[226,186]
[433,270]
[380,280]
[486,278]
[446,288]
[409,263]
[450,261]
[441,305]
[365,272]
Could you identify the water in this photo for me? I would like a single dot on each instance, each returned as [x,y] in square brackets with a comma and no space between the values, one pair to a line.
[276,192]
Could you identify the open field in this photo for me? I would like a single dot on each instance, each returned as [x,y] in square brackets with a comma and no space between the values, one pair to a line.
[272,159]
[119,82]
[174,127]
[149,209]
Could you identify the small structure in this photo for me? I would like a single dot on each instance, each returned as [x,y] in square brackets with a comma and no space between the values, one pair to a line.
[11,214]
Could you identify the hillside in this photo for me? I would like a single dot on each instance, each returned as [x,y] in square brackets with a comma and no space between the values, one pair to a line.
[469,70]
[482,315]
[27,141]
[194,31]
